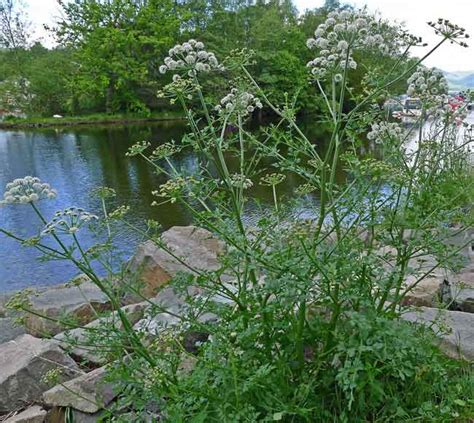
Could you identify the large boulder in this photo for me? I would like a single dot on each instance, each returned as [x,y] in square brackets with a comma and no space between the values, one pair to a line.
[23,363]
[190,249]
[78,302]
[88,393]
[455,329]
[76,341]
[34,414]
[9,330]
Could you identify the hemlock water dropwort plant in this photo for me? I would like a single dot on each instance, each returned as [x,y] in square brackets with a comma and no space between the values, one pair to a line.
[304,313]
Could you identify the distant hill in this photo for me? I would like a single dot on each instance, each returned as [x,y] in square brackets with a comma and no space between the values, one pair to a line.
[460,80]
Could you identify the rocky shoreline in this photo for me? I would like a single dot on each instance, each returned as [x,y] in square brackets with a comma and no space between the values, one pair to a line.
[29,352]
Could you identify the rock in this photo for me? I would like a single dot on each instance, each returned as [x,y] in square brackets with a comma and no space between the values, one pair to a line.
[23,363]
[76,341]
[168,300]
[463,239]
[88,393]
[428,292]
[459,343]
[35,414]
[9,330]
[81,303]
[462,291]
[196,248]
[170,307]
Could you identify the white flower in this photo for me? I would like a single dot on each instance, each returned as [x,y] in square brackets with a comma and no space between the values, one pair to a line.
[384,132]
[191,58]
[239,103]
[428,85]
[240,181]
[342,45]
[68,221]
[27,190]
[337,39]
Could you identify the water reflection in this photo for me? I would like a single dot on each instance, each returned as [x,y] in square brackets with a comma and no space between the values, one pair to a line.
[75,161]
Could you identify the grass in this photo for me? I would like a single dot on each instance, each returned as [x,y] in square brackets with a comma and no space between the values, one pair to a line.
[98,118]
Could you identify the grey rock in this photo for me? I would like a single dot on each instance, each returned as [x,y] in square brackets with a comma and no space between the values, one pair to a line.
[429,292]
[23,363]
[76,341]
[170,307]
[88,393]
[34,414]
[9,330]
[191,249]
[81,302]
[463,239]
[462,291]
[458,342]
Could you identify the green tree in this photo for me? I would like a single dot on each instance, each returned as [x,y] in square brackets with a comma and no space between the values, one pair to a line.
[115,44]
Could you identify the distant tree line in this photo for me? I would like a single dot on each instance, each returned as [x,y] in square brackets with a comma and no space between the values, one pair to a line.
[108,52]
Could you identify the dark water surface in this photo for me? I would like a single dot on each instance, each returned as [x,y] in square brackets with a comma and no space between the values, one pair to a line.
[74,162]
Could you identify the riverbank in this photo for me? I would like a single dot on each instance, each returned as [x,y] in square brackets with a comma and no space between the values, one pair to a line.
[96,119]
[89,387]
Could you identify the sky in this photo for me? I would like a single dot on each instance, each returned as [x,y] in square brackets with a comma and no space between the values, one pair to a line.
[414,13]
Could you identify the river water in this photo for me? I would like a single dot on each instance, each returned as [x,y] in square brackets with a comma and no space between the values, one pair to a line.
[74,162]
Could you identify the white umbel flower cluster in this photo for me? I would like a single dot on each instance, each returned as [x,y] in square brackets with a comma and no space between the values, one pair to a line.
[426,82]
[68,221]
[240,181]
[338,37]
[27,190]
[384,132]
[242,103]
[191,57]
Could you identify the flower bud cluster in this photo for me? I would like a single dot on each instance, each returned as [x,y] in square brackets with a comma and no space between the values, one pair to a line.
[384,132]
[426,82]
[451,31]
[68,221]
[240,181]
[180,87]
[173,189]
[164,150]
[191,57]
[27,190]
[137,149]
[338,37]
[272,179]
[242,103]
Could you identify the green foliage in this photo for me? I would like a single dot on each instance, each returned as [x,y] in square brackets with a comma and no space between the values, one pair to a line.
[106,60]
[300,321]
